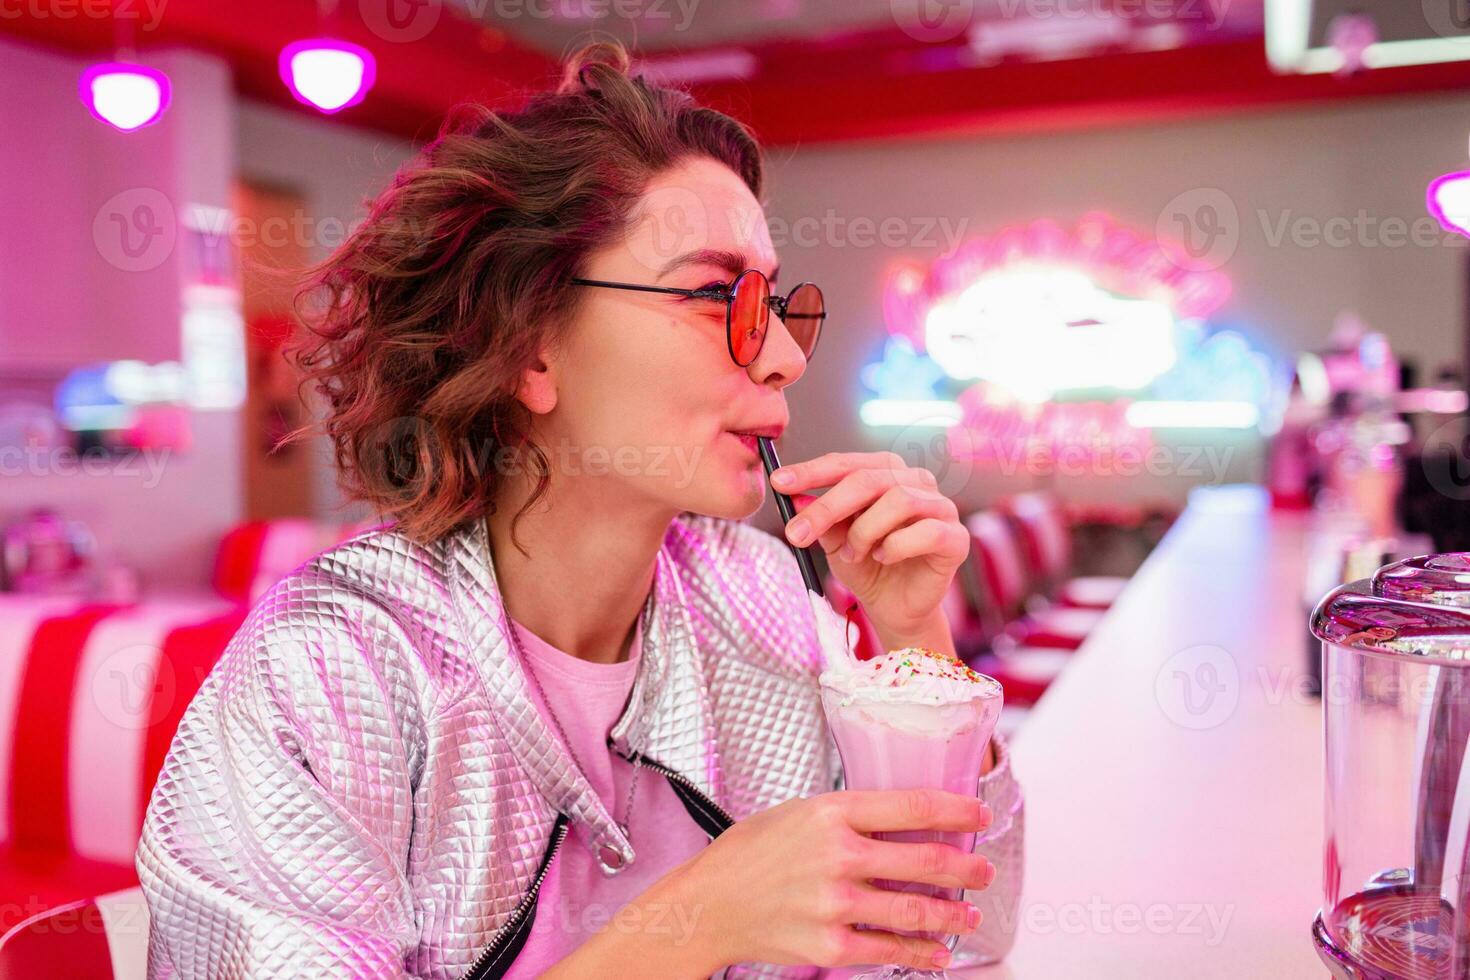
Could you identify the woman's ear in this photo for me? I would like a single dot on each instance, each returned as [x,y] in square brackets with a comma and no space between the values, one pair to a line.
[537,389]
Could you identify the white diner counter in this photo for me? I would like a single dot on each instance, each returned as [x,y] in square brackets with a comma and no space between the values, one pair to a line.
[1173,774]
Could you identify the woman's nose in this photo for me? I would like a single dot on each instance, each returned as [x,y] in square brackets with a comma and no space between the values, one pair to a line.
[780,360]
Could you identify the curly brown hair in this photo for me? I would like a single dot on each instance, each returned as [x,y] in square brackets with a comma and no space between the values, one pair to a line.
[430,312]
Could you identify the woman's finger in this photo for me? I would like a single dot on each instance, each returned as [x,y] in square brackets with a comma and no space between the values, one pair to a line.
[931,536]
[929,863]
[875,810]
[827,469]
[856,946]
[852,494]
[898,507]
[896,911]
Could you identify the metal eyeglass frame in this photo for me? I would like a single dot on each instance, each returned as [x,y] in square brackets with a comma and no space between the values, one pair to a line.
[777,304]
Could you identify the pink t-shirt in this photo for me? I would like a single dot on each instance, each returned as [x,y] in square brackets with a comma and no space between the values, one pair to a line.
[576,900]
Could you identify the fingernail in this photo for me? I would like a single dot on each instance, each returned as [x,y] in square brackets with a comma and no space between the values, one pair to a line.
[989,875]
[941,958]
[877,554]
[783,478]
[972,917]
[847,554]
[798,531]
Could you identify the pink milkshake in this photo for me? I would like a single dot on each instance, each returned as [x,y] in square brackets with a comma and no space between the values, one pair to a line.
[912,719]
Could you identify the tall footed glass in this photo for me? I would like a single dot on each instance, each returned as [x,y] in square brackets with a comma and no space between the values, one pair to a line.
[889,742]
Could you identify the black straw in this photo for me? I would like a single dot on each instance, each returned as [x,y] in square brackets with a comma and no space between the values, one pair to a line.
[788,511]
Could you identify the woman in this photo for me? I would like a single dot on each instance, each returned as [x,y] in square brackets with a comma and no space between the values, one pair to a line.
[560,717]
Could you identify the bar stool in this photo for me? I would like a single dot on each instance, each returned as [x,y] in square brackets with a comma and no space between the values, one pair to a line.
[1046,536]
[1004,574]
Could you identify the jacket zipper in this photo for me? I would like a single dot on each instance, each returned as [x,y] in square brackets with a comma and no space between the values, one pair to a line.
[492,951]
[497,945]
[689,789]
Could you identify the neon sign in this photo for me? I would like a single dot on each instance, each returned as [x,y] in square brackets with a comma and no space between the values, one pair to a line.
[1086,337]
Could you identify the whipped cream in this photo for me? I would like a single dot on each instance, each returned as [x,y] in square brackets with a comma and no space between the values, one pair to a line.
[835,636]
[910,676]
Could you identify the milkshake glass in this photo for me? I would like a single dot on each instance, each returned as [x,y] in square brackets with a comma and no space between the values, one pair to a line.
[912,719]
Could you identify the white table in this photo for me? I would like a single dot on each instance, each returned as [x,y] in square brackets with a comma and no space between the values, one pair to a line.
[1173,773]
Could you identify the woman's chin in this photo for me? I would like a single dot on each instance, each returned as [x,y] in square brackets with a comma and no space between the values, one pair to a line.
[740,496]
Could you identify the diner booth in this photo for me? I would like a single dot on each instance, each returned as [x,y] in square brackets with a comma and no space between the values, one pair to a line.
[1171,301]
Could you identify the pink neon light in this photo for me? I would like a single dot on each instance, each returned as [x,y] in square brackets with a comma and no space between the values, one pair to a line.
[124,95]
[1113,255]
[316,79]
[1448,199]
[1045,434]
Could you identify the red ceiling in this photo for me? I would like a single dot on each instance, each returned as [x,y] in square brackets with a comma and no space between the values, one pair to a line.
[803,93]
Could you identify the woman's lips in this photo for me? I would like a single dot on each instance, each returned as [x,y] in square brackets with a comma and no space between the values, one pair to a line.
[747,440]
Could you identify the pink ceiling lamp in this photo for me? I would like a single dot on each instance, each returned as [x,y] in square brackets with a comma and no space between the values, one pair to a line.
[327,74]
[124,95]
[1448,199]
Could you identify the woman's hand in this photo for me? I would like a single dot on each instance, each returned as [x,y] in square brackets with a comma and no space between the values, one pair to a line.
[890,536]
[788,884]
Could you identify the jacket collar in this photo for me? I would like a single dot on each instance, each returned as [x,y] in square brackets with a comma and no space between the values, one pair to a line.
[667,717]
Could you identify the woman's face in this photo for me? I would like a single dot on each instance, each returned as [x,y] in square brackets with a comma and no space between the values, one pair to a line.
[646,396]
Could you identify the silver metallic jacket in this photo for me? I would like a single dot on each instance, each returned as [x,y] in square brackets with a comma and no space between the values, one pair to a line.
[363,787]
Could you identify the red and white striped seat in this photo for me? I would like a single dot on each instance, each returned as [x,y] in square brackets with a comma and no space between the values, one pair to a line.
[1004,575]
[90,696]
[254,555]
[99,938]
